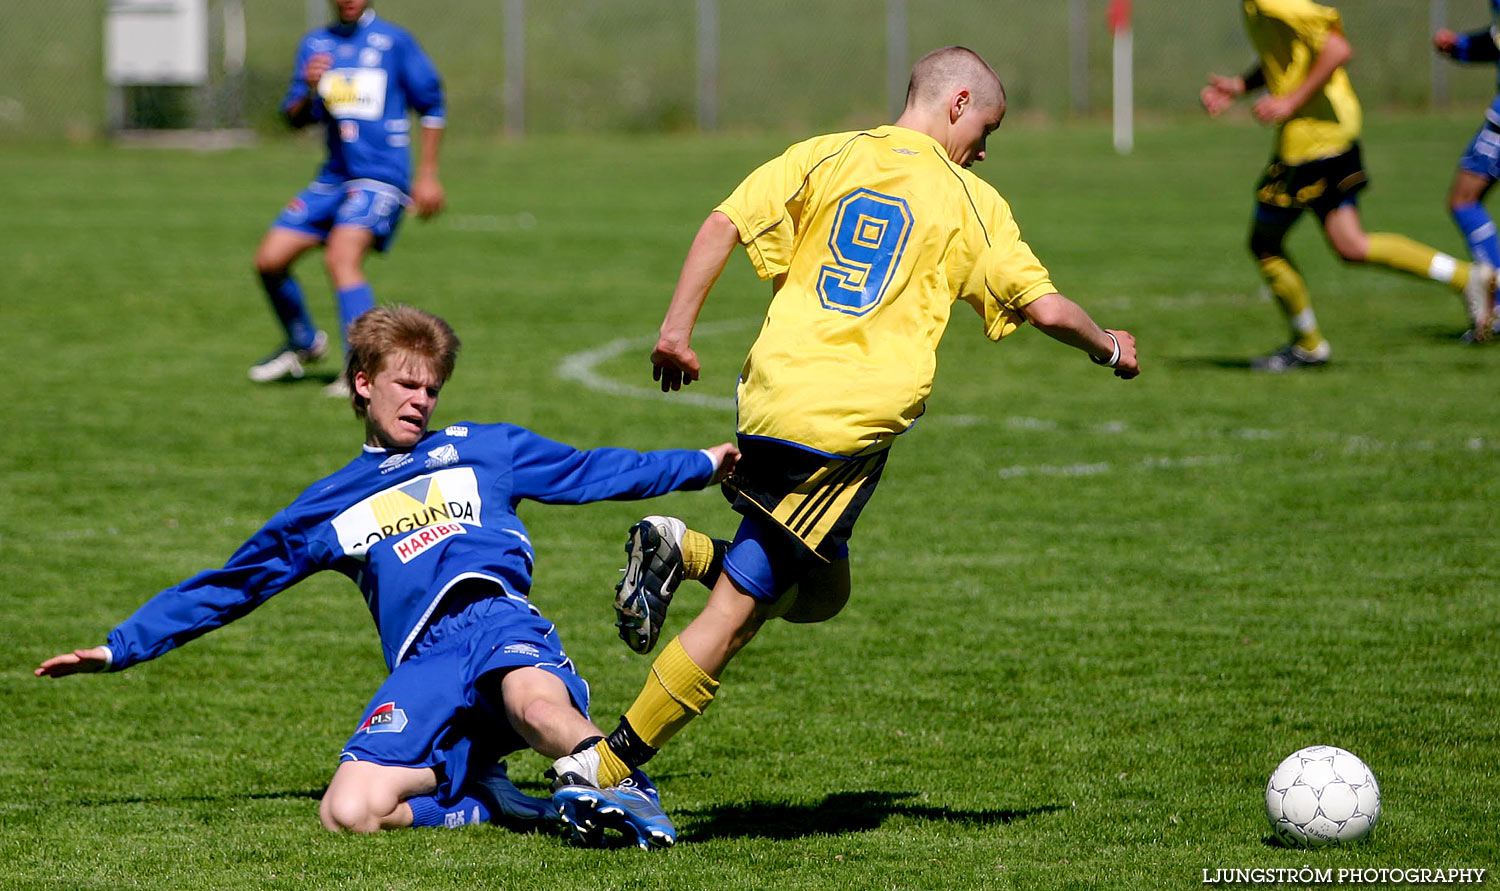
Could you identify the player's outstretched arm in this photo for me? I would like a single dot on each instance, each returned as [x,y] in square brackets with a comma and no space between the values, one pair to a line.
[1063,320]
[76,662]
[426,189]
[1220,93]
[725,456]
[673,361]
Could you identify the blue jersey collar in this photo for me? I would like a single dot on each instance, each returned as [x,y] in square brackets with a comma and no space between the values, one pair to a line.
[364,19]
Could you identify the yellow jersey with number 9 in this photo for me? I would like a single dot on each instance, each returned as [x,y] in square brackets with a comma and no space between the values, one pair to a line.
[870,237]
[1288,35]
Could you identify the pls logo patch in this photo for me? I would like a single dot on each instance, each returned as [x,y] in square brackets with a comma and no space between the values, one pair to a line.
[385,719]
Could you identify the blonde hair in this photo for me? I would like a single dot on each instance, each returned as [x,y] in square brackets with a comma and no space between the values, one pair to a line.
[393,329]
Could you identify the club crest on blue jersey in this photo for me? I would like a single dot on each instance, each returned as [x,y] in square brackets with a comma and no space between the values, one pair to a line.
[443,456]
[385,719]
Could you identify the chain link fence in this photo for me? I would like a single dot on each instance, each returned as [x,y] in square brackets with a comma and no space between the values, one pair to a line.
[793,65]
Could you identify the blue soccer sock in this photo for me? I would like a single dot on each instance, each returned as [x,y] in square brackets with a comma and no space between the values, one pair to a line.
[426,810]
[290,307]
[353,302]
[1479,230]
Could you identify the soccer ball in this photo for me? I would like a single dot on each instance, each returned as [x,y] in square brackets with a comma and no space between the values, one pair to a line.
[1322,795]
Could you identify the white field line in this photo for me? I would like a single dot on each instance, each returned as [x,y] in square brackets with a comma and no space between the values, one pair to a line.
[582,367]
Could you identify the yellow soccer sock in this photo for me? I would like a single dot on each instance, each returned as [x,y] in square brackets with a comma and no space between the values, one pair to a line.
[697,554]
[1401,253]
[1290,290]
[676,692]
[612,770]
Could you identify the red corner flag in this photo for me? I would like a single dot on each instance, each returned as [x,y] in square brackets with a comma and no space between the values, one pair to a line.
[1124,88]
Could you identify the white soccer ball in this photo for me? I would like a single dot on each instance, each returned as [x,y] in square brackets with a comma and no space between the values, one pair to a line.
[1322,795]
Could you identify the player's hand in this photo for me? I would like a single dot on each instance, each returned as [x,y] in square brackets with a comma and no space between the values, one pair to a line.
[76,662]
[1274,109]
[1128,365]
[674,364]
[316,67]
[1220,93]
[428,197]
[1444,41]
[727,456]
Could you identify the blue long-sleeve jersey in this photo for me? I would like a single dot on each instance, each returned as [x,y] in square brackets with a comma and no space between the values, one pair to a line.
[378,75]
[407,526]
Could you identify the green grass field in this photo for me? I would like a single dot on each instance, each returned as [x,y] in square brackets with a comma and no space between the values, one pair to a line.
[1090,617]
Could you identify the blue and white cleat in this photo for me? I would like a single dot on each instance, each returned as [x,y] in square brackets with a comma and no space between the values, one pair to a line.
[508,805]
[633,808]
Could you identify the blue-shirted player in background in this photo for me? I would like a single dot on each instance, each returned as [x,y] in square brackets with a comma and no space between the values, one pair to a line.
[425,524]
[1480,166]
[360,77]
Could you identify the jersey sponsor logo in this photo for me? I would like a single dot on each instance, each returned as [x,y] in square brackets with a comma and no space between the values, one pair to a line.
[357,93]
[443,456]
[906,151]
[385,719]
[416,544]
[457,430]
[448,496]
[396,462]
[523,649]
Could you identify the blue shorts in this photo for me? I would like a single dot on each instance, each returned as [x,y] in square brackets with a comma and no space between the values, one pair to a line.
[765,560]
[365,203]
[1483,154]
[438,710]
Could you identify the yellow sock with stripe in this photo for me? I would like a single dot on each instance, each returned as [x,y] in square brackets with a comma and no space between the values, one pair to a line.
[1402,254]
[697,554]
[1290,290]
[676,692]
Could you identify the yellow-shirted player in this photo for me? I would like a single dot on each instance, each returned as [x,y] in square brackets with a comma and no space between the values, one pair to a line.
[869,238]
[1316,166]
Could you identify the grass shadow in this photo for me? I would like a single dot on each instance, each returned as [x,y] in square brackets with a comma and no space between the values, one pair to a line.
[839,813]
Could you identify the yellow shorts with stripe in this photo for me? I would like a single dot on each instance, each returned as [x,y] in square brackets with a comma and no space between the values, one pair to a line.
[814,496]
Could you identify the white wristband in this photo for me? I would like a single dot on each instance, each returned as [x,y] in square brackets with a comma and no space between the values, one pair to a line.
[1114,358]
[712,459]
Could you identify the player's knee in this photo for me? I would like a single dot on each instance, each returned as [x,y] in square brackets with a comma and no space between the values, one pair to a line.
[1266,242]
[342,263]
[346,810]
[1350,250]
[267,263]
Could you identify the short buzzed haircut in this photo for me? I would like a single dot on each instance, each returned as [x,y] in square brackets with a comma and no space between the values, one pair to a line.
[396,328]
[940,72]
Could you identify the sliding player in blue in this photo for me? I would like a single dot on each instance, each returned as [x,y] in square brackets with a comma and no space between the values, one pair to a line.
[360,77]
[424,522]
[1480,165]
